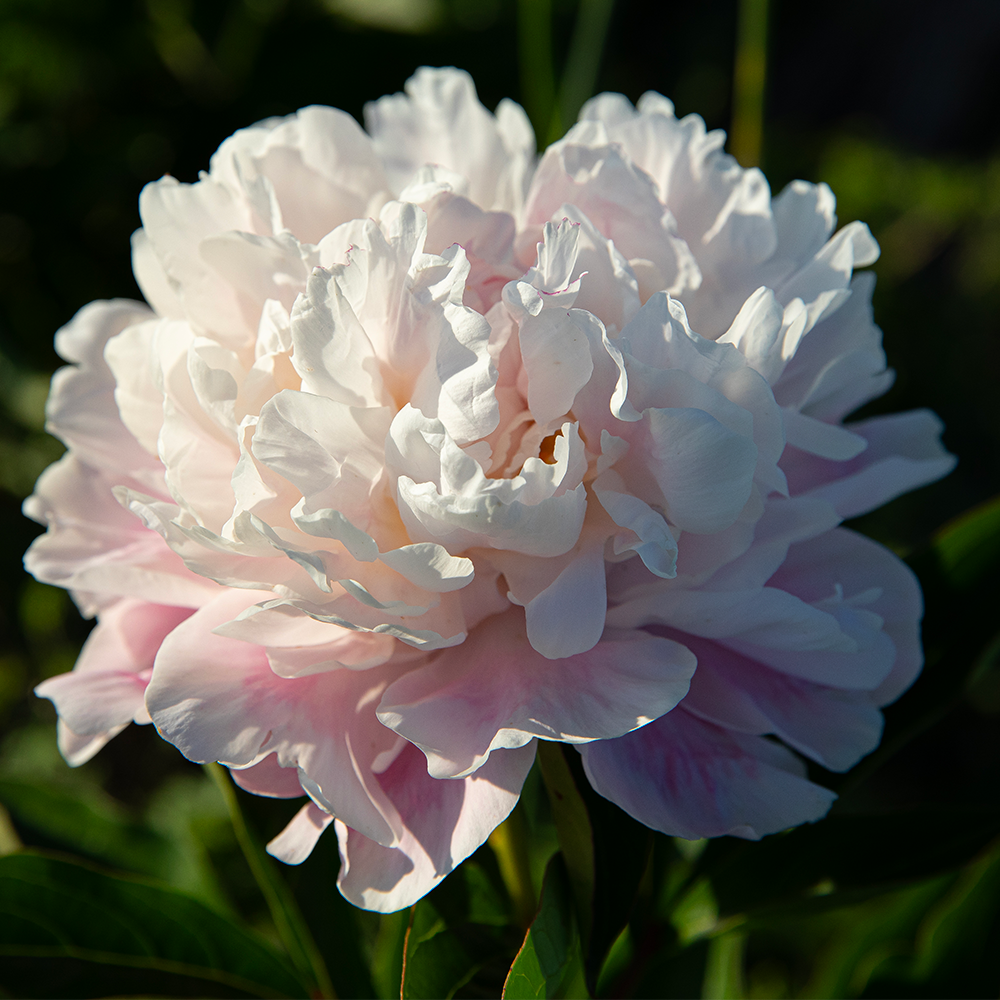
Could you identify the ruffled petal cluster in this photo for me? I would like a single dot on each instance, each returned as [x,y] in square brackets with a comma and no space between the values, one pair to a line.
[426,448]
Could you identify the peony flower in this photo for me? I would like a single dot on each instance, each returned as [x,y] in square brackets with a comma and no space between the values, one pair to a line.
[423,451]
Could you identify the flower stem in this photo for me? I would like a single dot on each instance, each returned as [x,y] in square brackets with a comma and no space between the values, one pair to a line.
[746,138]
[10,842]
[510,845]
[724,968]
[288,920]
[534,43]
[582,63]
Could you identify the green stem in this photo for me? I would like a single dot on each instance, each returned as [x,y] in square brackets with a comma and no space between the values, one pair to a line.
[582,63]
[510,845]
[746,139]
[10,842]
[724,967]
[534,42]
[288,919]
[576,835]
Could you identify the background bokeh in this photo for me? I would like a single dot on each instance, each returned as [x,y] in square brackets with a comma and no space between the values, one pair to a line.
[893,104]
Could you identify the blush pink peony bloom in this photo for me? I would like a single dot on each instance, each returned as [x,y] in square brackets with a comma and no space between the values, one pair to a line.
[423,451]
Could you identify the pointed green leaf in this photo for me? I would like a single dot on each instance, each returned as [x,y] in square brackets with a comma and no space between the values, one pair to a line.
[550,962]
[576,837]
[83,820]
[458,933]
[605,851]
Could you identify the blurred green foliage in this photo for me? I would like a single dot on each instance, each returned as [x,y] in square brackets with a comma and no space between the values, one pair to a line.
[896,894]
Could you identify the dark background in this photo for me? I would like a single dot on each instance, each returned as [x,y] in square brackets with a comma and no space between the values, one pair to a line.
[895,104]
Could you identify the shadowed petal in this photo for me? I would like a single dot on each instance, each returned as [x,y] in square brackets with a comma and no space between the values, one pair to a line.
[689,778]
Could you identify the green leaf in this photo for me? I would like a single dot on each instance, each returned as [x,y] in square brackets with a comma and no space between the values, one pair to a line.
[288,921]
[56,808]
[87,822]
[957,931]
[850,942]
[606,853]
[576,836]
[459,933]
[84,820]
[550,962]
[968,547]
[67,929]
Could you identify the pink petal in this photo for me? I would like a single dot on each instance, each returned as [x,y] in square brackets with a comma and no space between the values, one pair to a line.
[689,778]
[96,546]
[495,691]
[832,726]
[903,452]
[268,777]
[619,199]
[295,843]
[104,692]
[567,617]
[77,749]
[440,120]
[176,218]
[444,822]
[318,163]
[217,698]
[874,579]
[82,410]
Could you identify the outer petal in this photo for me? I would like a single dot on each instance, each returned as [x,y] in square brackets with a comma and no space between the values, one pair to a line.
[104,691]
[82,409]
[832,726]
[268,777]
[689,778]
[444,822]
[902,452]
[722,211]
[873,580]
[176,218]
[295,843]
[96,547]
[494,691]
[835,362]
[217,699]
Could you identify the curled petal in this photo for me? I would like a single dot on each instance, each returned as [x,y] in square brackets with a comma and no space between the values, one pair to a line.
[217,698]
[443,823]
[440,120]
[540,511]
[295,843]
[496,692]
[104,692]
